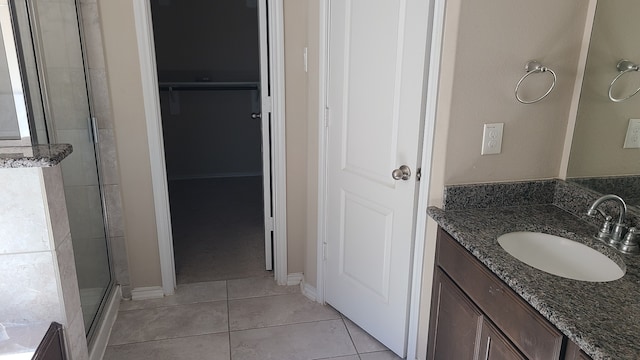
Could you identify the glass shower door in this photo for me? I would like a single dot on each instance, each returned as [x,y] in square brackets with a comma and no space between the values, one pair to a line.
[60,59]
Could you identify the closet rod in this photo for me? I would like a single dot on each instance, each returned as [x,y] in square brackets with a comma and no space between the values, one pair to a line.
[208,86]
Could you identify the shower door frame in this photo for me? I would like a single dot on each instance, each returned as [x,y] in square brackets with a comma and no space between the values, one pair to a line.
[273,20]
[41,71]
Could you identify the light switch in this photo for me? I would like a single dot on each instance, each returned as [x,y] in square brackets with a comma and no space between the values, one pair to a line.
[632,140]
[492,139]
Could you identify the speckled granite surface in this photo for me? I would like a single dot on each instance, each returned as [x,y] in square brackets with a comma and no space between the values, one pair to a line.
[628,187]
[33,156]
[602,318]
[577,199]
[457,197]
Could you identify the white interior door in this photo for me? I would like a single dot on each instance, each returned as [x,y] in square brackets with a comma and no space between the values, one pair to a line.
[265,119]
[375,83]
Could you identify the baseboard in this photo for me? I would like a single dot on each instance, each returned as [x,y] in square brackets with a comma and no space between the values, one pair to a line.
[144,293]
[306,289]
[101,338]
[294,279]
[309,291]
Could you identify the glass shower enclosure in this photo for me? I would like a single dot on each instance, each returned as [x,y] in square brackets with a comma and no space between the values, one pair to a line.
[53,61]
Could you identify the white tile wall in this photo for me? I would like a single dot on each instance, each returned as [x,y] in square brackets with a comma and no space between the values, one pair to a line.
[29,291]
[23,222]
[39,282]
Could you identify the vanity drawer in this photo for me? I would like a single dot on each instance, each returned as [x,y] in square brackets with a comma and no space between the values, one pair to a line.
[523,325]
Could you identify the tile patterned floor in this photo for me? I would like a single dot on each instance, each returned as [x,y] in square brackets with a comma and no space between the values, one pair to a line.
[242,319]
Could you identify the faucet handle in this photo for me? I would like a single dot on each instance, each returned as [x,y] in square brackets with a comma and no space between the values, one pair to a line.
[630,243]
[605,230]
[631,236]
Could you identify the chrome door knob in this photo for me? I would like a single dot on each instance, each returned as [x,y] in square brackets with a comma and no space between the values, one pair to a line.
[256,116]
[402,173]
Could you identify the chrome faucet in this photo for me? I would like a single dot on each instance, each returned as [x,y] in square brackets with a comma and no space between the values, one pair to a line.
[614,236]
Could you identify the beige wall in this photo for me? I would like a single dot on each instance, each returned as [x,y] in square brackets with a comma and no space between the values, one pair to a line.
[125,87]
[313,109]
[485,48]
[495,40]
[295,39]
[601,124]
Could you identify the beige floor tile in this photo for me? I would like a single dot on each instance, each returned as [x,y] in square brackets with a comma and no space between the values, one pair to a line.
[380,355]
[169,322]
[317,340]
[362,340]
[258,286]
[350,357]
[185,294]
[266,311]
[202,347]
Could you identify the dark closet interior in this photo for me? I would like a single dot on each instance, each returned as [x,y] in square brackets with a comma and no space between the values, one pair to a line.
[207,55]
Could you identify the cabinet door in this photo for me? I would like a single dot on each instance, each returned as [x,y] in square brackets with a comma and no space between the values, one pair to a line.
[574,353]
[456,323]
[495,346]
[533,335]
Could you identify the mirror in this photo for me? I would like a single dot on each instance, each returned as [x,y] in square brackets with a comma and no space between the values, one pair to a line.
[13,118]
[602,156]
[22,115]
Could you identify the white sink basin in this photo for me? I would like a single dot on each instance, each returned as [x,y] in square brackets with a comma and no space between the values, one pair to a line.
[559,256]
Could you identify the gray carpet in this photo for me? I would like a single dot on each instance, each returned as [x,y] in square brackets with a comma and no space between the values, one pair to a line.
[217,229]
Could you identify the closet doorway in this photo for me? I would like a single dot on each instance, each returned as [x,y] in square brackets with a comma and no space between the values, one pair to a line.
[217,145]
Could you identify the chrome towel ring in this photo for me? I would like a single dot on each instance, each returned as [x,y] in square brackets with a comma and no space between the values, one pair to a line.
[624,66]
[533,67]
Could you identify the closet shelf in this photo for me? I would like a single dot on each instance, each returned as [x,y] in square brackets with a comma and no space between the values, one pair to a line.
[208,86]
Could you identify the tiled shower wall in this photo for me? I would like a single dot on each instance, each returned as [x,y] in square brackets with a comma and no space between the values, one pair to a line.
[66,77]
[94,56]
[109,160]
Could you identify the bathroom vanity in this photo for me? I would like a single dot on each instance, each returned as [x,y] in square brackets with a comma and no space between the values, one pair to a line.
[474,315]
[486,304]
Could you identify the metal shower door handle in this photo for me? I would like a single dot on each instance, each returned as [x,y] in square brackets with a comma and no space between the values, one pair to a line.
[256,116]
[402,173]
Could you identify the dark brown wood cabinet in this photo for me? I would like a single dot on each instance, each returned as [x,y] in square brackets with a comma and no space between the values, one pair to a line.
[52,346]
[474,315]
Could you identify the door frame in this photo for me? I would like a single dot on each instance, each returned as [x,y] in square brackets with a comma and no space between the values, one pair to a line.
[430,97]
[151,98]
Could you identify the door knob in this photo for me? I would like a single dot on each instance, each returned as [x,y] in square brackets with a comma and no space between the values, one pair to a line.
[256,116]
[402,173]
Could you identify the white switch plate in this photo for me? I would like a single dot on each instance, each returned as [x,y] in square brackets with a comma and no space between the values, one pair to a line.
[632,140]
[492,139]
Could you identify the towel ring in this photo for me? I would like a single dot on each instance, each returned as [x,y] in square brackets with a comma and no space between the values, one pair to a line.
[624,66]
[533,67]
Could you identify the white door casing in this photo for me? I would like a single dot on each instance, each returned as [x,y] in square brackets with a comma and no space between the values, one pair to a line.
[374,99]
[273,19]
[265,126]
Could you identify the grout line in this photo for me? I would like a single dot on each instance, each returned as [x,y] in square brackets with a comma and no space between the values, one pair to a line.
[281,325]
[171,305]
[350,337]
[268,296]
[165,339]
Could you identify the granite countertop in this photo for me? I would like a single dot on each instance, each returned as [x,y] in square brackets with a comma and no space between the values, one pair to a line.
[602,318]
[33,156]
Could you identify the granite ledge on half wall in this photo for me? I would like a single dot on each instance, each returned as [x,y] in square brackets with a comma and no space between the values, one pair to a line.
[33,156]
